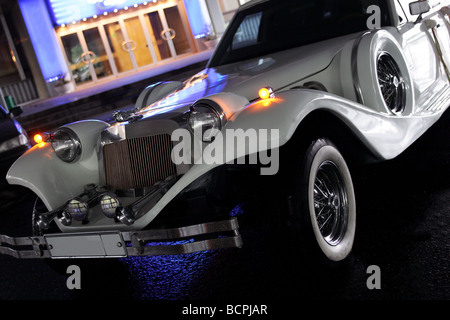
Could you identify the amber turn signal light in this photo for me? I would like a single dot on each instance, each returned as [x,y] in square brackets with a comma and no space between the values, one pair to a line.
[38,138]
[41,137]
[266,93]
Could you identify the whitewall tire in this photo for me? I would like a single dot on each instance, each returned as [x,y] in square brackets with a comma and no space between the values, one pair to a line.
[327,200]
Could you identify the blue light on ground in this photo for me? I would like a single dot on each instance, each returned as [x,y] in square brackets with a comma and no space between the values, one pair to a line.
[153,277]
[171,277]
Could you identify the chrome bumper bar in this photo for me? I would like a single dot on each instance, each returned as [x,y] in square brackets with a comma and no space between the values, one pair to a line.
[116,244]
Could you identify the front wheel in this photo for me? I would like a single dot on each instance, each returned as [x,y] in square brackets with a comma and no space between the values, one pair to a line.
[324,193]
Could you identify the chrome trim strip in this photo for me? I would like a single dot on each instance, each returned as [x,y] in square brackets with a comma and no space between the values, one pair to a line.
[183,232]
[146,202]
[231,242]
[356,80]
[37,243]
[222,234]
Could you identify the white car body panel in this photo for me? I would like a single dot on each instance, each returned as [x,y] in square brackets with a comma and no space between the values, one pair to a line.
[61,180]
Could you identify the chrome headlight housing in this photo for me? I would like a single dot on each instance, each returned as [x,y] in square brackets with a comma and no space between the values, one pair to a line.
[66,144]
[206,119]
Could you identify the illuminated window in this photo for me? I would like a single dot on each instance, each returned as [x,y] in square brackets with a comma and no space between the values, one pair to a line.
[9,63]
[247,34]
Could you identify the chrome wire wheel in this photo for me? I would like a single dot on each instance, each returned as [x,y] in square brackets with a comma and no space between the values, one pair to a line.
[330,203]
[327,201]
[391,82]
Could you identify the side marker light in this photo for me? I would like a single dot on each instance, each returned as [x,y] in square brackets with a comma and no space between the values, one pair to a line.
[266,93]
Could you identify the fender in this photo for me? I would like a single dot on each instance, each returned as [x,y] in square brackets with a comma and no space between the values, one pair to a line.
[385,136]
[52,179]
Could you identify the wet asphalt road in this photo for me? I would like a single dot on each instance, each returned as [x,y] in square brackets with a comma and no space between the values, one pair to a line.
[403,227]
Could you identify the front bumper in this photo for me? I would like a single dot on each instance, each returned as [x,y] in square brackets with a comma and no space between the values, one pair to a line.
[116,244]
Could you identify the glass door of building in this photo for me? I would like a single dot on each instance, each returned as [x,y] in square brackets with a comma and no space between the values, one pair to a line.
[169,32]
[86,55]
[129,43]
[147,38]
[126,43]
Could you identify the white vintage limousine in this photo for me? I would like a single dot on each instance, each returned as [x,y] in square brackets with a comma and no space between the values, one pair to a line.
[295,92]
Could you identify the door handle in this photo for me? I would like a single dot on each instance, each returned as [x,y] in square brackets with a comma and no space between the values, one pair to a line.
[168,34]
[82,58]
[87,57]
[129,45]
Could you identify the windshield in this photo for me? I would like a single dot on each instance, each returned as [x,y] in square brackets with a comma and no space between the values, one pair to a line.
[277,25]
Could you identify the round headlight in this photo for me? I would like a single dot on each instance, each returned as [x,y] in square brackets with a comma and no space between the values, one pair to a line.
[66,144]
[77,208]
[206,121]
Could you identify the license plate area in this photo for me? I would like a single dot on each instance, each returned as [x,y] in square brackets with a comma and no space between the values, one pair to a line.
[89,245]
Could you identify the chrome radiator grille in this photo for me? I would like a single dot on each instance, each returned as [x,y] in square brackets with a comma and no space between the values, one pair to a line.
[138,162]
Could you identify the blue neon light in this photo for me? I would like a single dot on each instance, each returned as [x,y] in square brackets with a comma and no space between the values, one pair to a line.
[67,11]
[42,36]
[198,17]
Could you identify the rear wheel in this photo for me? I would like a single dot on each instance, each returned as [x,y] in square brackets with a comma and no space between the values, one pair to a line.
[324,201]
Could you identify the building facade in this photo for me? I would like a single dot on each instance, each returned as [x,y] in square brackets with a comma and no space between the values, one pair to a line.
[52,47]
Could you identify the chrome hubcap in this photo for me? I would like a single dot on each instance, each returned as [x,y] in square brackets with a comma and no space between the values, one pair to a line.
[391,83]
[330,203]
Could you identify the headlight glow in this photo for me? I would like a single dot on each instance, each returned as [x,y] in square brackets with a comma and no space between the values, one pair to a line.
[266,93]
[66,144]
[206,121]
[38,138]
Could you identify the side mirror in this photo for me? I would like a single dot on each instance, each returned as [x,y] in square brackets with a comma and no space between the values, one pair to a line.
[419,7]
[16,111]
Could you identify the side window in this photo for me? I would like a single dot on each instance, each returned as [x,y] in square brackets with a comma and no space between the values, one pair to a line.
[247,33]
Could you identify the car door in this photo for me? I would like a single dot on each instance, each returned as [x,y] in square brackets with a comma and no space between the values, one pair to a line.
[442,34]
[421,54]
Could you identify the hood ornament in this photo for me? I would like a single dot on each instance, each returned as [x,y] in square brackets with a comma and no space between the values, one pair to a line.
[126,115]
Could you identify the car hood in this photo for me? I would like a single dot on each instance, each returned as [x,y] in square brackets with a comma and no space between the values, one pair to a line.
[245,78]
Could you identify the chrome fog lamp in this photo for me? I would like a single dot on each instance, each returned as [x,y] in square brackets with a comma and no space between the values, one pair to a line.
[206,120]
[109,203]
[66,144]
[77,208]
